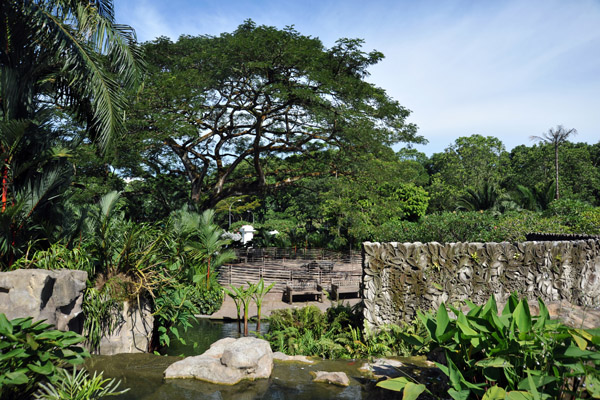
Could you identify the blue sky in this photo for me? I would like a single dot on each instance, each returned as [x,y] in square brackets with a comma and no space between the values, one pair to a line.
[509,69]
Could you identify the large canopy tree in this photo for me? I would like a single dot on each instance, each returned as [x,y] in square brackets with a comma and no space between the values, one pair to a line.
[59,59]
[223,107]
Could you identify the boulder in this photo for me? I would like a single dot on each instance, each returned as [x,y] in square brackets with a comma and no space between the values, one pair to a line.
[334,378]
[52,295]
[133,331]
[227,362]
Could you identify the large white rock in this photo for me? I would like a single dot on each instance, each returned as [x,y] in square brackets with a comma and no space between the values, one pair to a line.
[55,296]
[227,362]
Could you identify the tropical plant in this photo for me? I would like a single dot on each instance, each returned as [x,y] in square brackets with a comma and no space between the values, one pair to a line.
[514,355]
[200,245]
[58,256]
[480,198]
[534,199]
[100,312]
[78,386]
[60,60]
[81,61]
[32,352]
[209,247]
[556,137]
[339,333]
[173,309]
[244,296]
[259,293]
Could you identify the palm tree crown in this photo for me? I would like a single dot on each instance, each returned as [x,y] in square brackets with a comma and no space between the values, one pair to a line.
[556,137]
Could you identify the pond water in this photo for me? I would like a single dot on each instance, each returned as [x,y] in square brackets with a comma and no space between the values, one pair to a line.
[205,332]
[143,374]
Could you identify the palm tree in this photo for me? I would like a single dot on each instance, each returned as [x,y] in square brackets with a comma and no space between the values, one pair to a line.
[484,197]
[59,59]
[70,54]
[199,239]
[556,137]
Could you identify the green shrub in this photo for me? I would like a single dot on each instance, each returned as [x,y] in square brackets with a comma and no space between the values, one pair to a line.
[338,333]
[514,226]
[32,352]
[174,308]
[208,301]
[514,355]
[589,223]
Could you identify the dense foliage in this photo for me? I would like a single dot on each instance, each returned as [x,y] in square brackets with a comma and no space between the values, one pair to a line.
[32,352]
[492,355]
[338,333]
[228,111]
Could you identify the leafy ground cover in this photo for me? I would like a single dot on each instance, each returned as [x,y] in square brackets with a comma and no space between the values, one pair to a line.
[485,354]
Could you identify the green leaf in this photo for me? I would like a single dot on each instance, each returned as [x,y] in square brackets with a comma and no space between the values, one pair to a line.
[45,369]
[532,388]
[514,395]
[459,394]
[175,331]
[31,342]
[50,335]
[5,325]
[543,315]
[442,320]
[490,307]
[581,342]
[395,384]
[522,316]
[496,362]
[16,353]
[463,324]
[454,375]
[494,393]
[16,378]
[592,385]
[413,390]
[537,380]
[511,304]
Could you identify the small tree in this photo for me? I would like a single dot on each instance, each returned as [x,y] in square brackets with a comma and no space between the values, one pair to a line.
[260,291]
[557,137]
[243,296]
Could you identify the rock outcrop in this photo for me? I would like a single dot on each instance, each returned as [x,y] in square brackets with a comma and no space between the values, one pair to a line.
[334,378]
[227,362]
[133,332]
[55,296]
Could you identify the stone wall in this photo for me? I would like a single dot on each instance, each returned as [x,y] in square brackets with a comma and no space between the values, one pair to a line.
[400,278]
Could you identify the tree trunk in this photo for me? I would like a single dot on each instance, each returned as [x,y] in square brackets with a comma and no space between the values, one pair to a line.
[4,187]
[556,169]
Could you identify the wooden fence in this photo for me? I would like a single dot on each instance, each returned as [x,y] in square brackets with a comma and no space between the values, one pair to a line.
[253,255]
[284,274]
